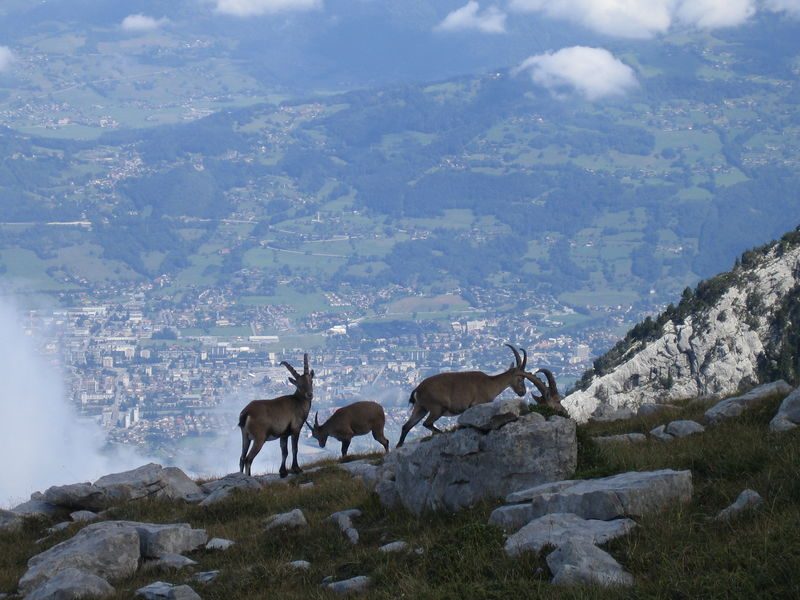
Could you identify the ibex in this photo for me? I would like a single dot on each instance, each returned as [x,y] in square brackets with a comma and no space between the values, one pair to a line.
[349,421]
[279,418]
[448,394]
[549,393]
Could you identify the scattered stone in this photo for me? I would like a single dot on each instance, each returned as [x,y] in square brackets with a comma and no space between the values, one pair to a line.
[558,528]
[605,413]
[646,410]
[344,519]
[398,546]
[576,563]
[457,469]
[219,544]
[363,470]
[276,479]
[10,521]
[205,577]
[301,565]
[108,553]
[683,428]
[492,415]
[84,516]
[71,583]
[355,585]
[623,438]
[733,407]
[512,516]
[160,590]
[788,415]
[747,500]
[660,433]
[58,527]
[290,520]
[627,494]
[170,562]
[220,489]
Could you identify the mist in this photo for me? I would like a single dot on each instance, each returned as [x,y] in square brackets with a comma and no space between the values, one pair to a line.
[43,441]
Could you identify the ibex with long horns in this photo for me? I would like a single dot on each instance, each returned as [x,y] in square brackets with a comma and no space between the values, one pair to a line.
[549,393]
[279,418]
[448,394]
[349,421]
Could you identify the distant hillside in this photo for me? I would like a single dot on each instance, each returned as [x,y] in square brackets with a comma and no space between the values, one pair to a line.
[734,330]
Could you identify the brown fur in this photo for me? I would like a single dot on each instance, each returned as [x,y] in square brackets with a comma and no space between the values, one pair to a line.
[358,418]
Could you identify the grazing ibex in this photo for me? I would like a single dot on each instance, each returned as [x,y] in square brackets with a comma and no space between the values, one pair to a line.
[448,394]
[349,421]
[279,418]
[549,393]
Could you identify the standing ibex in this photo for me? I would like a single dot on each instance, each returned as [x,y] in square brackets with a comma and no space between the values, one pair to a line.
[448,394]
[349,421]
[549,393]
[264,420]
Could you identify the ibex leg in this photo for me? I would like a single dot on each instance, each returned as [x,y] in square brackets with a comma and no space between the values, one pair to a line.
[254,449]
[345,446]
[435,413]
[379,437]
[245,447]
[295,467]
[284,453]
[416,416]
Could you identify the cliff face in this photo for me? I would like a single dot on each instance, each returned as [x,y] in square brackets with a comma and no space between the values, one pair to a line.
[710,351]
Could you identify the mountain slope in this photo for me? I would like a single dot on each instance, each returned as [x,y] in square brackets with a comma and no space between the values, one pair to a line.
[733,330]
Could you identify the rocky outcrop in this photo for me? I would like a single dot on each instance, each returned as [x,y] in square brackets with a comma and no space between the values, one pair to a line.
[733,407]
[710,353]
[627,494]
[788,415]
[455,470]
[558,528]
[72,583]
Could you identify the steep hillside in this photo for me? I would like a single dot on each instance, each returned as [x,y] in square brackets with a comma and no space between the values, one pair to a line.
[733,330]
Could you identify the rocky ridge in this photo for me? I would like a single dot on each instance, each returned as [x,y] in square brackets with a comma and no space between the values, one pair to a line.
[711,352]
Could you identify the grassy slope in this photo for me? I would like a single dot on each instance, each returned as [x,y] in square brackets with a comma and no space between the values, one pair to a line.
[679,553]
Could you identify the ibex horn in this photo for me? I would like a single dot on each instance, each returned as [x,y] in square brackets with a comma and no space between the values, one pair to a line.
[291,369]
[516,355]
[524,358]
[539,386]
[309,426]
[316,419]
[305,364]
[551,381]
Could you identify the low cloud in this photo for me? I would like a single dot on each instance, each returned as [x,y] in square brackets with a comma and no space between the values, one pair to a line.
[593,73]
[642,19]
[790,7]
[142,23]
[6,58]
[470,18]
[251,8]
[714,14]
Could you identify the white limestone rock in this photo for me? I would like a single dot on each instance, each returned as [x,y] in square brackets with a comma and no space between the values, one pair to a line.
[492,415]
[513,516]
[705,355]
[660,433]
[683,428]
[72,583]
[580,563]
[169,562]
[219,544]
[622,438]
[354,585]
[300,565]
[733,407]
[294,519]
[558,528]
[344,520]
[392,547]
[363,470]
[205,577]
[788,415]
[748,500]
[161,590]
[84,516]
[219,489]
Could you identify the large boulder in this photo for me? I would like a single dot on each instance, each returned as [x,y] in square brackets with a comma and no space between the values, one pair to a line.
[558,528]
[220,489]
[157,540]
[627,494]
[72,583]
[147,481]
[788,415]
[733,407]
[106,552]
[455,470]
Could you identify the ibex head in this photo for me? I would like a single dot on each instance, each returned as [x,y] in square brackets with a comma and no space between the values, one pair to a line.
[549,392]
[305,382]
[316,431]
[518,369]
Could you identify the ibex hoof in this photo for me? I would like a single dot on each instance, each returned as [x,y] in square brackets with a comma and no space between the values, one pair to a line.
[297,470]
[283,473]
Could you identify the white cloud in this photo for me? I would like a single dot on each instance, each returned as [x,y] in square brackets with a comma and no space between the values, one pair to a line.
[619,18]
[470,18]
[6,57]
[142,23]
[250,8]
[644,19]
[591,72]
[713,14]
[790,7]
